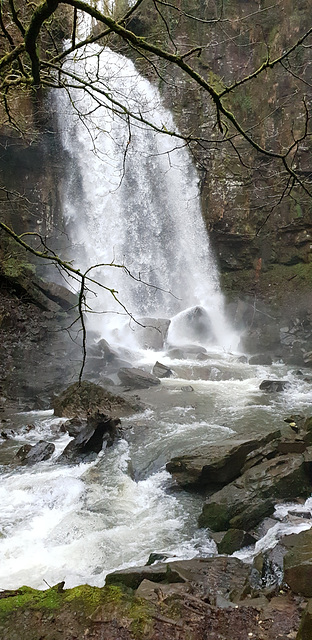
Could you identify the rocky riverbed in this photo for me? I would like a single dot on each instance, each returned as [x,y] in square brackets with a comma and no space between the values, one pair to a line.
[235,480]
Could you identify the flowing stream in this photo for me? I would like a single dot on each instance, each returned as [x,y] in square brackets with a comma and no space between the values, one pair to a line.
[132,199]
[76,523]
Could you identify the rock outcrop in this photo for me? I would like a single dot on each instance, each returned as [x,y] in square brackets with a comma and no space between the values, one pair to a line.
[218,464]
[80,400]
[206,578]
[245,502]
[298,562]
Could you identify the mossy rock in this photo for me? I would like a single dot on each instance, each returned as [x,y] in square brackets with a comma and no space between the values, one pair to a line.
[233,540]
[58,614]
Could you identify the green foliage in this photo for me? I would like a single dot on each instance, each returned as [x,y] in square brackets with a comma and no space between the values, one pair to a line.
[12,267]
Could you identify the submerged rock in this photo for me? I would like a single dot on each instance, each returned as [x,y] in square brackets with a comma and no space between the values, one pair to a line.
[273,386]
[80,400]
[137,378]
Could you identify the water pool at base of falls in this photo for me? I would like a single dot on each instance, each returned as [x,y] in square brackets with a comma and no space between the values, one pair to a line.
[77,523]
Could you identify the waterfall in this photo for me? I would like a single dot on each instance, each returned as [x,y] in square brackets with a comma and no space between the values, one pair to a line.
[132,198]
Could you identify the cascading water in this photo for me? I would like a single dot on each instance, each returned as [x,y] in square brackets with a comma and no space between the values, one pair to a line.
[133,200]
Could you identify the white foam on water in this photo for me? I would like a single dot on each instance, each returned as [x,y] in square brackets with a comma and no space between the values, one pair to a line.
[77,523]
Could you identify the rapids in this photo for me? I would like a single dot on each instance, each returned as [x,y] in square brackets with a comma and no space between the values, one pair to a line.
[76,523]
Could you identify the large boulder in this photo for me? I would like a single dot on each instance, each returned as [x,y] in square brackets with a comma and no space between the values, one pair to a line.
[193,325]
[216,464]
[151,333]
[80,400]
[137,378]
[206,578]
[100,431]
[298,562]
[245,502]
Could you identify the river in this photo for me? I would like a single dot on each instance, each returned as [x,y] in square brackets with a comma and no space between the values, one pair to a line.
[76,523]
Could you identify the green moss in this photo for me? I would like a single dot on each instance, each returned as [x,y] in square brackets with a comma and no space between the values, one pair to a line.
[13,268]
[278,282]
[215,81]
[241,102]
[303,271]
[29,598]
[82,604]
[83,599]
[86,599]
[140,613]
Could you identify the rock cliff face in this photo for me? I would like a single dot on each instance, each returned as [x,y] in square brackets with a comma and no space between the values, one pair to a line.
[260,224]
[261,232]
[33,309]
